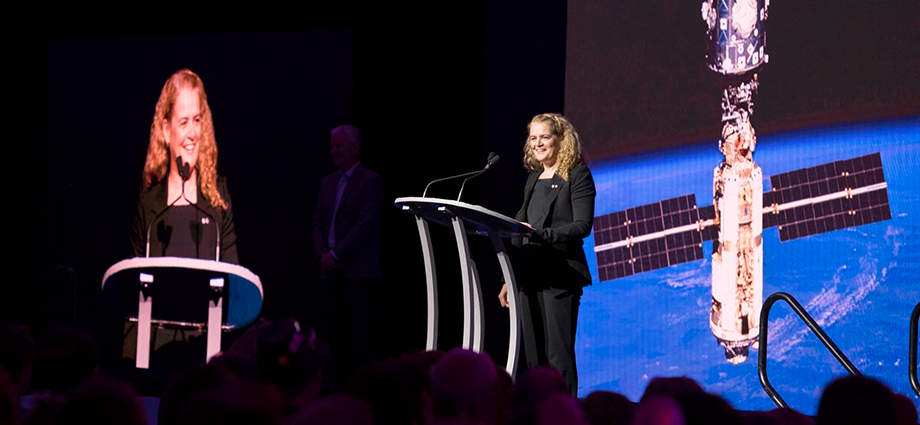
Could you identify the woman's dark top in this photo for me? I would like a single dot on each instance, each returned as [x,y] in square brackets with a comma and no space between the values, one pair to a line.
[536,210]
[184,231]
[562,214]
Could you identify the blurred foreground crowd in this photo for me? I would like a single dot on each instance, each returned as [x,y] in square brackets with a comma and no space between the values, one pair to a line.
[274,375]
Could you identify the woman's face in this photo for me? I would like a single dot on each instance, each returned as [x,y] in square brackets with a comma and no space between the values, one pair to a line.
[543,143]
[183,129]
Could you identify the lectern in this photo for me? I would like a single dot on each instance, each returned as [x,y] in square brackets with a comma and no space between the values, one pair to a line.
[465,219]
[188,292]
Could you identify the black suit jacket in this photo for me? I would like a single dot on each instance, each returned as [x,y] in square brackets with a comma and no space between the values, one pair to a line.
[553,256]
[357,222]
[152,201]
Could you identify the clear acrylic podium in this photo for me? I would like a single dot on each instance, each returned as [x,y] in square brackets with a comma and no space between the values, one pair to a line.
[465,219]
[189,292]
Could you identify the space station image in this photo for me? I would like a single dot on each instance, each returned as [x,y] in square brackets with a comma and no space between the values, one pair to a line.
[802,203]
[818,199]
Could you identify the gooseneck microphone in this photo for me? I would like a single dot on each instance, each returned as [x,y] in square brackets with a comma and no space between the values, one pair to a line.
[185,173]
[492,159]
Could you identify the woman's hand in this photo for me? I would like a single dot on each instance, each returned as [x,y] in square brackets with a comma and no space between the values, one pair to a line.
[503,296]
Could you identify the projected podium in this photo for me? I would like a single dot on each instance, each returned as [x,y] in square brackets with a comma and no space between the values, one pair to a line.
[188,292]
[466,219]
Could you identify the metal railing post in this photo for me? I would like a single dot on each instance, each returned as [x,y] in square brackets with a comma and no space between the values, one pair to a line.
[815,329]
[912,373]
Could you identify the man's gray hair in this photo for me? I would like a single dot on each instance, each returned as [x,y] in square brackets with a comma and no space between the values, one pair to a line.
[349,132]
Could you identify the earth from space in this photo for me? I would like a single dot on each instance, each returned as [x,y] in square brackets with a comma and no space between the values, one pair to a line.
[861,284]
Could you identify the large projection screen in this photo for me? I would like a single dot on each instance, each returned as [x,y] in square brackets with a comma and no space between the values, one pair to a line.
[840,84]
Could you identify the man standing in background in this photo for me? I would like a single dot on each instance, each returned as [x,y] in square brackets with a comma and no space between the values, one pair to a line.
[346,239]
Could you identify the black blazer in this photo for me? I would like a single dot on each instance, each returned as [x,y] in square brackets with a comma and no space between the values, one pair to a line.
[357,222]
[554,256]
[153,200]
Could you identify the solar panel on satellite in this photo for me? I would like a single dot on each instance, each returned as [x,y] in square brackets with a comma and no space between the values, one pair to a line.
[803,202]
[627,258]
[827,197]
[835,214]
[825,179]
[645,219]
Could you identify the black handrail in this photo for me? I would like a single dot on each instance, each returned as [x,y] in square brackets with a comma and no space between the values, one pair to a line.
[914,383]
[815,329]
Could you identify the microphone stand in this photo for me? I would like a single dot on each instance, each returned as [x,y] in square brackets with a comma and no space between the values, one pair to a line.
[185,173]
[155,218]
[493,158]
[448,178]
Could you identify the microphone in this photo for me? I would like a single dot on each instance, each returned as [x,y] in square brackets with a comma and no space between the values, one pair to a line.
[493,158]
[184,170]
[155,218]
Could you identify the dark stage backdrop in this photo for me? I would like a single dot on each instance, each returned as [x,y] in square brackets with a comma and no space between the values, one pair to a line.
[636,74]
[841,83]
[434,88]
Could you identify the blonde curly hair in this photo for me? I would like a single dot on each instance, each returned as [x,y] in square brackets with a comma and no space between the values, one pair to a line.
[569,145]
[158,161]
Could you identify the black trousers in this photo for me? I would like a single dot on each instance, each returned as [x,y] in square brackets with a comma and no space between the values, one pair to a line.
[549,318]
[347,325]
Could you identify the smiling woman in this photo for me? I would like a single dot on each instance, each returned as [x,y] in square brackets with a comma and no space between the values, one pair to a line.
[551,265]
[182,134]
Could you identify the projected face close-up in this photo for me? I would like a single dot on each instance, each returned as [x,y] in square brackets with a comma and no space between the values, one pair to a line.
[183,128]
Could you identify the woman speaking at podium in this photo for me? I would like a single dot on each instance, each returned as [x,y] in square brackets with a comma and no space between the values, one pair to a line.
[181,185]
[182,209]
[551,265]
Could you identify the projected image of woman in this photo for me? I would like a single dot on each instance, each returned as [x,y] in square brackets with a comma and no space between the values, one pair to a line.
[551,266]
[182,131]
